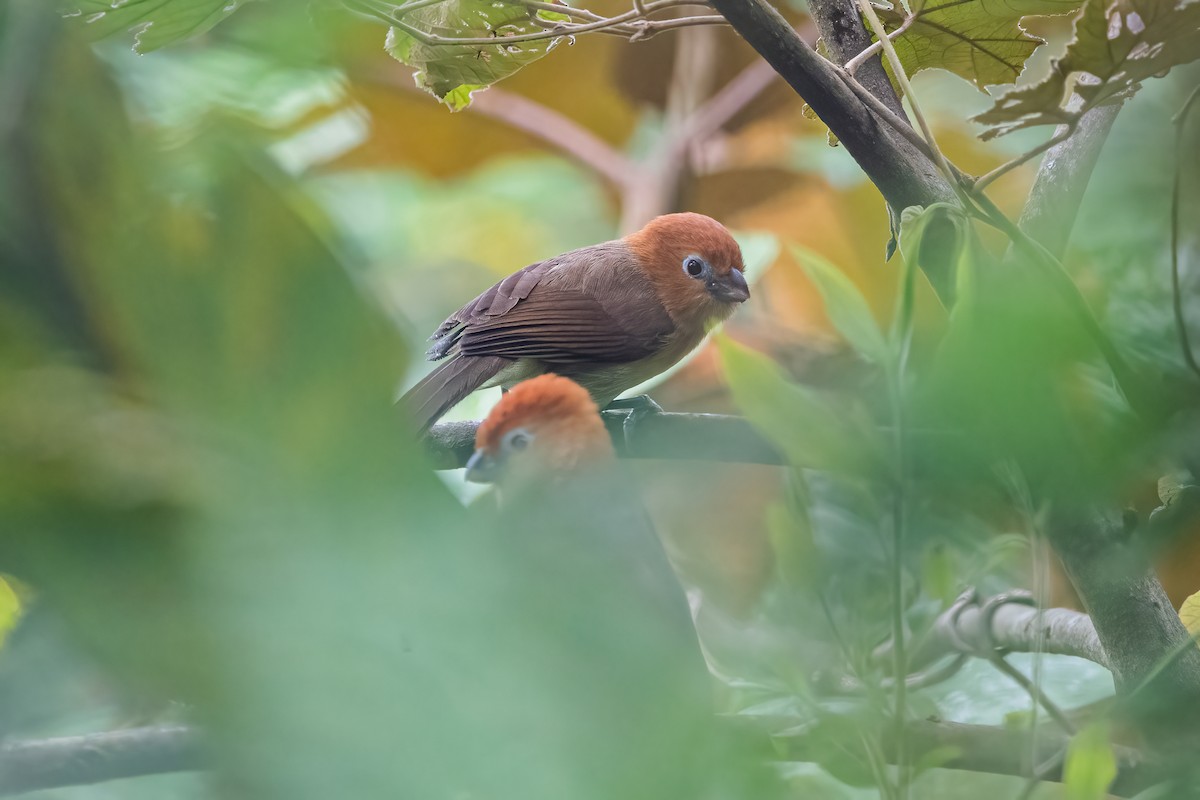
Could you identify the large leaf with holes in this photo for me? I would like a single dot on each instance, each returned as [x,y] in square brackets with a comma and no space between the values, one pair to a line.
[1117,45]
[980,40]
[424,39]
[159,22]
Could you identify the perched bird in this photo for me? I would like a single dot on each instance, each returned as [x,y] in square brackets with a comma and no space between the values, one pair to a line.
[607,316]
[547,429]
[546,448]
[585,569]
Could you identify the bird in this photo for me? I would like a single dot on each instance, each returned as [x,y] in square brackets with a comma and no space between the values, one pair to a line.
[608,316]
[545,447]
[585,568]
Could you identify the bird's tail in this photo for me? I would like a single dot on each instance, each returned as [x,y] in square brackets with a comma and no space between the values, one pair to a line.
[442,389]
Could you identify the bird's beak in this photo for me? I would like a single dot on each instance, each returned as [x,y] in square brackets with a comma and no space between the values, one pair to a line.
[481,468]
[731,288]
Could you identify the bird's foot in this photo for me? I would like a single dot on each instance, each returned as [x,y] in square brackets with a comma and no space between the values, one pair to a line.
[637,409]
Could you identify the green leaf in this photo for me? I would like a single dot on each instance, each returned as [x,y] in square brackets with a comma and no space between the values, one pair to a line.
[451,72]
[845,305]
[1117,45]
[937,241]
[159,22]
[811,432]
[1091,766]
[979,40]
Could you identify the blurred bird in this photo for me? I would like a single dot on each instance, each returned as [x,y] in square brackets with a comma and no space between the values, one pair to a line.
[608,316]
[587,568]
[545,447]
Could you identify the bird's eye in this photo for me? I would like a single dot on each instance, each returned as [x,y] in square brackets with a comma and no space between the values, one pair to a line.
[518,439]
[693,266]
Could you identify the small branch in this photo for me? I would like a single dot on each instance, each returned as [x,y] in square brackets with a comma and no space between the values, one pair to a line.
[642,28]
[984,181]
[697,437]
[898,72]
[1062,179]
[1180,121]
[875,47]
[413,5]
[1035,692]
[846,38]
[902,173]
[29,765]
[1014,627]
[898,123]
[1135,622]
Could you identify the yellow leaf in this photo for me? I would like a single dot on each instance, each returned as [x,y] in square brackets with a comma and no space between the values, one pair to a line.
[10,609]
[1189,612]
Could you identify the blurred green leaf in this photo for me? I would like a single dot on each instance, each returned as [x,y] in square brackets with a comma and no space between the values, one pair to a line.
[1090,766]
[845,305]
[935,758]
[451,72]
[938,574]
[158,22]
[810,431]
[790,534]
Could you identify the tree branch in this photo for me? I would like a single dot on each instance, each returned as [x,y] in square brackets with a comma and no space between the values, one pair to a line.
[1135,622]
[697,437]
[970,627]
[73,760]
[903,174]
[846,38]
[1062,179]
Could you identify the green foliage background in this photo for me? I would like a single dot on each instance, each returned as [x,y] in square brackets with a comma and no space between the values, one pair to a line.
[220,518]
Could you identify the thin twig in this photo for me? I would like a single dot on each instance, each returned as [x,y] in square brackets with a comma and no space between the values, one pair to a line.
[1180,121]
[413,5]
[29,765]
[853,64]
[898,72]
[570,11]
[1034,691]
[893,119]
[645,27]
[982,182]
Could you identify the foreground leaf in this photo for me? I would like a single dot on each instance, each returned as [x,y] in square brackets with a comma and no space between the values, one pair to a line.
[1090,766]
[1117,45]
[845,305]
[809,431]
[159,22]
[451,72]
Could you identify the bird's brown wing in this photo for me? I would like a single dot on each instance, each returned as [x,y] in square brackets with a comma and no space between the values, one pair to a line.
[591,305]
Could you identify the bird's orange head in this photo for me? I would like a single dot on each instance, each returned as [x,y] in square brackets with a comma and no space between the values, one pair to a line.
[547,427]
[695,265]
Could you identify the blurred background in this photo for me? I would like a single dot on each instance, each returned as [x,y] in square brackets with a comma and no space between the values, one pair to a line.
[220,263]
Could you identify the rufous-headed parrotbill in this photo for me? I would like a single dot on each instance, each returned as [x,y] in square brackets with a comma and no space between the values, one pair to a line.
[581,556]
[607,316]
[547,430]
